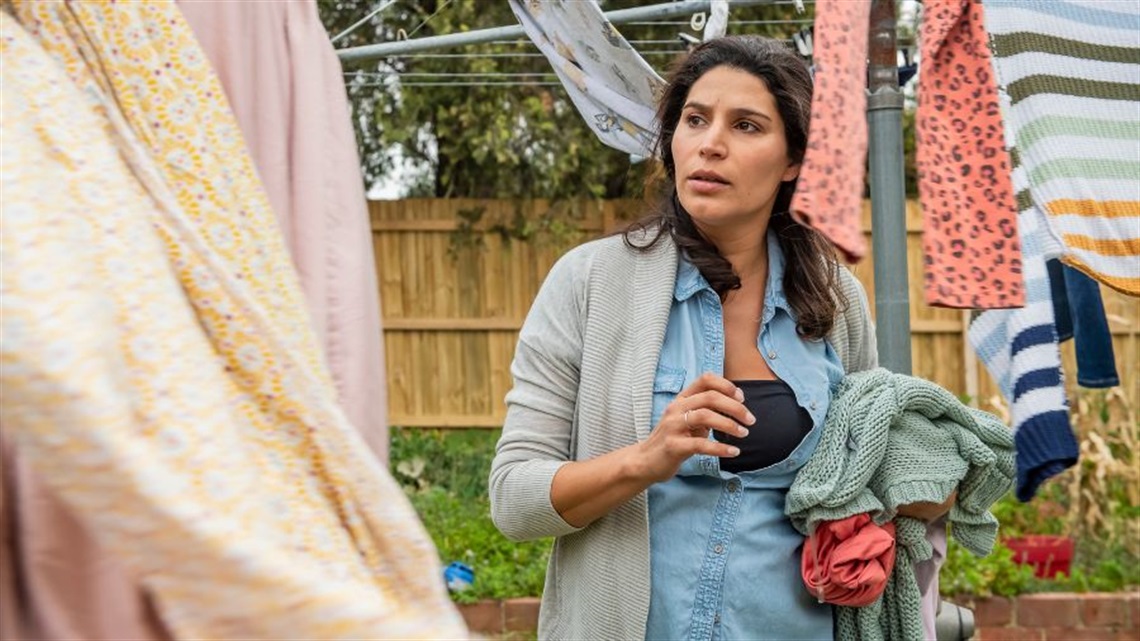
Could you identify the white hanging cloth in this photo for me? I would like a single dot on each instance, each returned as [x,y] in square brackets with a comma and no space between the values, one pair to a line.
[609,82]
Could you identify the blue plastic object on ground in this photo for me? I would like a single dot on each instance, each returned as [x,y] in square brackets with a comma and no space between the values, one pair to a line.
[458,576]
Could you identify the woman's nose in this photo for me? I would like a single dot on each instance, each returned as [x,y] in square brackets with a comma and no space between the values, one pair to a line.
[712,143]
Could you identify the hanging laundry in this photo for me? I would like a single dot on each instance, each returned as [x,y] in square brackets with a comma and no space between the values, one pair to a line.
[717,24]
[1019,349]
[1072,71]
[56,582]
[286,88]
[162,379]
[829,192]
[1078,310]
[613,88]
[970,243]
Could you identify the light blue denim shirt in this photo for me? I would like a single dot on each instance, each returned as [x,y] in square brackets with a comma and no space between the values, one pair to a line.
[724,560]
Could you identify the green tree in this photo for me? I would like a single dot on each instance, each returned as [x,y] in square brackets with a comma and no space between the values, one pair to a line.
[486,139]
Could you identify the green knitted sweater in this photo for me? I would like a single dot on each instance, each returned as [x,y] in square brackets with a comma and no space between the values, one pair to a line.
[890,440]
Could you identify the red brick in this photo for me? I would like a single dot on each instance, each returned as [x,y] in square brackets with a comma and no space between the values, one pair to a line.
[485,616]
[1104,610]
[521,614]
[993,612]
[1058,610]
[1133,599]
[1082,634]
[1007,634]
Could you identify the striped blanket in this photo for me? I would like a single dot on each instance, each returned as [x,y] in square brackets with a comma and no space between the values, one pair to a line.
[1070,78]
[1071,69]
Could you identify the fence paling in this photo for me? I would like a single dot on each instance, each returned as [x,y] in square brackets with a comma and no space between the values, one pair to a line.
[452,311]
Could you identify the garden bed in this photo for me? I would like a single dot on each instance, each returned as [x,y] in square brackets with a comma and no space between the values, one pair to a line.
[444,472]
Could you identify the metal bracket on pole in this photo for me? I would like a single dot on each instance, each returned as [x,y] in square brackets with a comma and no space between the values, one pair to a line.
[888,192]
[404,47]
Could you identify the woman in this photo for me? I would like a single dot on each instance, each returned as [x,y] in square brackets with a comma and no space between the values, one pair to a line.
[669,382]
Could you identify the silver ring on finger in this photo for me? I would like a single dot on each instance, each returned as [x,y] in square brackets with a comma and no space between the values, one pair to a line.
[687,423]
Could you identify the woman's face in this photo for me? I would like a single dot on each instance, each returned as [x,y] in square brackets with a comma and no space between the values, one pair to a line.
[729,150]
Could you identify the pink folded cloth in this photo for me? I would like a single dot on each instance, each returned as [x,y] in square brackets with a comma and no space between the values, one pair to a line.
[848,562]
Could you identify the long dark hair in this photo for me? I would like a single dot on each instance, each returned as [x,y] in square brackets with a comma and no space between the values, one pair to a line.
[811,273]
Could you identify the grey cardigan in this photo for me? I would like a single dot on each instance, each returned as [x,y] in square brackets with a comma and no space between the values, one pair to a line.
[583,373]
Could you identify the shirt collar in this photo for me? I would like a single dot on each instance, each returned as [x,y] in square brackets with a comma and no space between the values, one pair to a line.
[690,281]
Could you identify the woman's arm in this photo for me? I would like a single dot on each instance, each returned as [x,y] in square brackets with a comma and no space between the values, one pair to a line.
[537,432]
[584,491]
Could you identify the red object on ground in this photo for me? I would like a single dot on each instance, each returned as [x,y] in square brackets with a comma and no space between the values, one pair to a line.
[1049,554]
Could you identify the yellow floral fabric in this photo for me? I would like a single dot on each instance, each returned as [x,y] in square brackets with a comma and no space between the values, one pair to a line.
[157,362]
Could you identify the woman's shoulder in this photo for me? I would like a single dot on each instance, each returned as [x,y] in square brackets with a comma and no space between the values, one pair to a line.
[610,255]
[853,334]
[848,283]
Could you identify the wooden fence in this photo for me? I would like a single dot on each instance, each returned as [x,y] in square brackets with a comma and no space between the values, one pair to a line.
[455,292]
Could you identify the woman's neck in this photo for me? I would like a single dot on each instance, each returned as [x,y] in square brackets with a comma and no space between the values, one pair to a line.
[746,250]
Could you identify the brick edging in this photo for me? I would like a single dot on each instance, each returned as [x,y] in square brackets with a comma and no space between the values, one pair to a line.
[496,617]
[1067,616]
[1095,616]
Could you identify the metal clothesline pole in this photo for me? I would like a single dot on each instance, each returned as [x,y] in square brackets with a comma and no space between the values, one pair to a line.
[404,47]
[888,192]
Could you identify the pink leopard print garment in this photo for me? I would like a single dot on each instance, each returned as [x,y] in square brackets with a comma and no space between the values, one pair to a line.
[829,193]
[972,251]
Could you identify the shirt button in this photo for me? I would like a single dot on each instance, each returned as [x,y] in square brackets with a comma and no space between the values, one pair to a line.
[719,549]
[813,405]
[716,618]
[733,486]
[772,354]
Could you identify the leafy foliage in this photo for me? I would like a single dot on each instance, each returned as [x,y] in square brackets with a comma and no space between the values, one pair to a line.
[994,575]
[444,474]
[1097,503]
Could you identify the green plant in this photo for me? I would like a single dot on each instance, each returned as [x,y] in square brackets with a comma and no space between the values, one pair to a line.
[462,531]
[1096,502]
[444,473]
[993,575]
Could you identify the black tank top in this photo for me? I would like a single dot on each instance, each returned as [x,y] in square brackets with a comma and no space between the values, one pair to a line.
[781,424]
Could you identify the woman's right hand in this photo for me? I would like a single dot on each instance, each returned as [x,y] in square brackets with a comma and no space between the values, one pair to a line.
[711,403]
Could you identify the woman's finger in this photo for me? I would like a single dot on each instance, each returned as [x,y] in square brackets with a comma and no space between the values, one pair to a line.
[709,382]
[721,404]
[706,419]
[714,448]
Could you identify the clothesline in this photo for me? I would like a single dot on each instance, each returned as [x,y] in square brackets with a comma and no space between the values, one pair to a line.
[522,54]
[492,83]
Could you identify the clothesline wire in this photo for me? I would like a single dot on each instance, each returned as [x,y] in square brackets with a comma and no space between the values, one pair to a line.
[526,42]
[735,22]
[362,21]
[529,44]
[434,14]
[491,83]
[460,74]
[519,54]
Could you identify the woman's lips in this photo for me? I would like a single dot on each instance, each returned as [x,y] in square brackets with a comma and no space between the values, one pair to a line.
[706,185]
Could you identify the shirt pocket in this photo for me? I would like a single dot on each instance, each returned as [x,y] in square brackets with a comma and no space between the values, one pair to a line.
[667,383]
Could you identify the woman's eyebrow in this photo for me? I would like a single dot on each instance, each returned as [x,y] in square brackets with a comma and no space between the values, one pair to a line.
[739,111]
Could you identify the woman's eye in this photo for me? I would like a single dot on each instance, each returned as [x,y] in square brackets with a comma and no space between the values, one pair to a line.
[693,120]
[744,125]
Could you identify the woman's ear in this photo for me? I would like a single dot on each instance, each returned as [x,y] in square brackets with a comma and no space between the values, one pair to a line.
[791,173]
